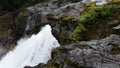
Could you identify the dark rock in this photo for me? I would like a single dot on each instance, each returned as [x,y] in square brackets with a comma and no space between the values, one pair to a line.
[38,66]
[88,54]
[3,51]
[116,30]
[6,30]
[62,18]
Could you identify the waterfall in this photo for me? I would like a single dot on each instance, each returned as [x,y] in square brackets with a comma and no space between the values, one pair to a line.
[31,51]
[98,2]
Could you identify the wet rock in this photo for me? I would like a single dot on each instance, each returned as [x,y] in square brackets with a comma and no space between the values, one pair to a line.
[51,8]
[3,51]
[63,18]
[88,54]
[103,53]
[38,66]
[116,30]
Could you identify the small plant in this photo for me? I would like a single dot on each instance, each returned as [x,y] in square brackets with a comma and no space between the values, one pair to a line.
[75,35]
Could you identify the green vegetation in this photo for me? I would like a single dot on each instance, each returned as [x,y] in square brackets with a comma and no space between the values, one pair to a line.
[73,64]
[94,13]
[20,24]
[115,0]
[75,35]
[51,17]
[93,18]
[71,6]
[67,18]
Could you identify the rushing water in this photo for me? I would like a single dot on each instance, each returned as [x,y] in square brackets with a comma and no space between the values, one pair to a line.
[31,51]
[98,2]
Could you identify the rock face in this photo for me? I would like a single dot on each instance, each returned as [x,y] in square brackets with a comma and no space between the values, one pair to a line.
[117,29]
[62,17]
[103,53]
[6,31]
[67,20]
[3,51]
[70,18]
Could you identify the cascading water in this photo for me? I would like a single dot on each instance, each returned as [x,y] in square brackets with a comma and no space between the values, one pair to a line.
[31,51]
[98,2]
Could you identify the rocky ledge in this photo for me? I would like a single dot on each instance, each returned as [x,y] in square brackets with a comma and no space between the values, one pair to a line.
[89,35]
[78,35]
[103,53]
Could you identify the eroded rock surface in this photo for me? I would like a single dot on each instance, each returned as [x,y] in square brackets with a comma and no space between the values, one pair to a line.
[103,53]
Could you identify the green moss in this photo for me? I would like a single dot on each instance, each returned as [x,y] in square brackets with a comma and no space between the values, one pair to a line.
[40,4]
[20,23]
[114,21]
[73,64]
[71,6]
[67,24]
[92,4]
[53,64]
[67,18]
[23,14]
[94,13]
[115,0]
[94,21]
[51,17]
[63,38]
[21,17]
[75,35]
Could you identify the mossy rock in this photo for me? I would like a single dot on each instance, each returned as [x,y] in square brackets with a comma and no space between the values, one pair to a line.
[115,50]
[75,35]
[70,7]
[97,22]
[6,26]
[67,25]
[20,24]
[115,0]
[73,64]
[67,18]
[63,38]
[51,17]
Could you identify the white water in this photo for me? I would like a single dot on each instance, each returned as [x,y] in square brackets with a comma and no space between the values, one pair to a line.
[98,2]
[31,51]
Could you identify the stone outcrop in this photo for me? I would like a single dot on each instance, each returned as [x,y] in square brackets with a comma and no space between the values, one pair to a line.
[63,18]
[103,53]
[89,35]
